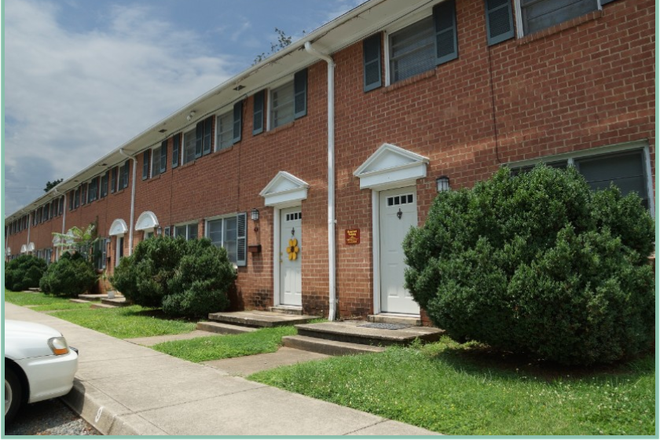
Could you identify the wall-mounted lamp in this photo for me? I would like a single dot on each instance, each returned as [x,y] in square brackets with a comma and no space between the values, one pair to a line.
[254,215]
[191,115]
[442,183]
[159,231]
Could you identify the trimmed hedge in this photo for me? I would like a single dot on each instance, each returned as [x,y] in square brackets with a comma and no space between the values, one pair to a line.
[185,278]
[24,272]
[538,263]
[70,276]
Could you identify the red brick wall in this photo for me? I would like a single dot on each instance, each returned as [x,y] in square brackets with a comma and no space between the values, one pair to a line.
[582,84]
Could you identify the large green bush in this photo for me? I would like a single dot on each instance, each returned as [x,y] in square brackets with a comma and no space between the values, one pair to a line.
[70,276]
[185,278]
[24,272]
[538,263]
[143,277]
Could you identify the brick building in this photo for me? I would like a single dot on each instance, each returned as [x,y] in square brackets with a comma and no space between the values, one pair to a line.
[341,140]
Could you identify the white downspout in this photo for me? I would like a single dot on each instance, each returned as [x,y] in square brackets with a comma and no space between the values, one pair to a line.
[130,227]
[331,180]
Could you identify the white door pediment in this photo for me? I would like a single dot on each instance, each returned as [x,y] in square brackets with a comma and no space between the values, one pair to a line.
[391,167]
[118,227]
[284,190]
[146,221]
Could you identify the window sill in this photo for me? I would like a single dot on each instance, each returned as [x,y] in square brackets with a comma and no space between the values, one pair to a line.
[153,179]
[408,81]
[560,27]
[219,153]
[280,128]
[186,165]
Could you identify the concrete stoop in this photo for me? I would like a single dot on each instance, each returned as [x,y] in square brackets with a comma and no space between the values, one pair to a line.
[359,332]
[328,346]
[117,301]
[224,329]
[259,319]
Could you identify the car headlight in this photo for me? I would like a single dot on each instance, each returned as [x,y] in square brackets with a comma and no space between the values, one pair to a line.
[58,345]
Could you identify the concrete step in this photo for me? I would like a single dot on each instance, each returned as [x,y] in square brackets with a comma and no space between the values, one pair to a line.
[101,306]
[361,332]
[327,346]
[259,318]
[287,310]
[225,329]
[118,301]
[79,301]
[391,318]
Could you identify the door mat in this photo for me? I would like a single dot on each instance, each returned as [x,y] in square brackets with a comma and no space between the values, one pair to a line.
[384,326]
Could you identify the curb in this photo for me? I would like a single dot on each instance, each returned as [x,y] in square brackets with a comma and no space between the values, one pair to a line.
[105,414]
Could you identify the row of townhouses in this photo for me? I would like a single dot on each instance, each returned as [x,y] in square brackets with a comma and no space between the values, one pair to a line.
[341,141]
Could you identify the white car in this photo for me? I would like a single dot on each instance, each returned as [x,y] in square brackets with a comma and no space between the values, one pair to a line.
[39,365]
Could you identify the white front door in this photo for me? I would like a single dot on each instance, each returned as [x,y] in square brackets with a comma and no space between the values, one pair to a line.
[291,252]
[398,213]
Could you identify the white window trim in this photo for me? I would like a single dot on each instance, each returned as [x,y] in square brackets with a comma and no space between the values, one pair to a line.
[178,225]
[519,21]
[269,98]
[397,26]
[219,114]
[151,161]
[223,217]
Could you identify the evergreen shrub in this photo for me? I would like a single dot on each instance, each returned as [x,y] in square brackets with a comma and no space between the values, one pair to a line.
[70,276]
[184,278]
[24,272]
[538,263]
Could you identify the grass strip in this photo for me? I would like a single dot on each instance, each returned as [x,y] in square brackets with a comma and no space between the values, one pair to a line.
[443,387]
[42,302]
[127,322]
[266,340]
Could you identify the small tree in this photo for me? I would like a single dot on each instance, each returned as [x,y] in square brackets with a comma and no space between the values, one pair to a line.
[70,276]
[78,240]
[24,272]
[537,263]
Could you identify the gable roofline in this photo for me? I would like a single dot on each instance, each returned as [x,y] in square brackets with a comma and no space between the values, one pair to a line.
[345,30]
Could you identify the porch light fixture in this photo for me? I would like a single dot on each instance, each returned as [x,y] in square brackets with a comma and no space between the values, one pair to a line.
[442,184]
[159,231]
[254,215]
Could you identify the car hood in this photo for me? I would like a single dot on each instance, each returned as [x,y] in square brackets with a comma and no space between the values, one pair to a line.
[27,339]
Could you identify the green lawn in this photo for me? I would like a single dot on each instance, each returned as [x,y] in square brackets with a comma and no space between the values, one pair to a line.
[120,322]
[465,390]
[41,302]
[266,340]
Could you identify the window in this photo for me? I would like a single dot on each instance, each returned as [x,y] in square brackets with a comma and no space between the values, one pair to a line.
[289,101]
[425,44]
[537,15]
[114,177]
[145,165]
[83,193]
[224,137]
[628,170]
[104,185]
[189,231]
[188,146]
[92,192]
[159,159]
[123,175]
[76,198]
[203,137]
[230,233]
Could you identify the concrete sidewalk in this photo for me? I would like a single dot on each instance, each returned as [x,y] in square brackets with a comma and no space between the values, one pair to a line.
[127,389]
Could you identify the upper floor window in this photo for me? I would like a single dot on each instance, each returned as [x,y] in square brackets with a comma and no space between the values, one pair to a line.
[92,192]
[188,146]
[425,44]
[123,175]
[159,159]
[228,127]
[536,15]
[287,102]
[104,185]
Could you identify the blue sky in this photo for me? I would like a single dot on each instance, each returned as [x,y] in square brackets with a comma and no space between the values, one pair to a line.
[82,77]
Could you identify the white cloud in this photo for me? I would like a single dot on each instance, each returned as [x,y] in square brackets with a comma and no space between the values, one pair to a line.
[71,97]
